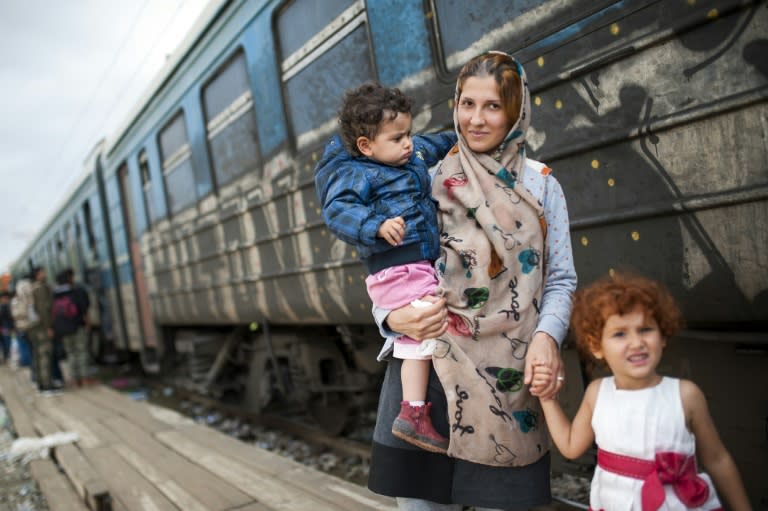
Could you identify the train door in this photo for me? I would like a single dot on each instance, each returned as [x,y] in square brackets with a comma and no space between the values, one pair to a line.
[141,295]
[102,342]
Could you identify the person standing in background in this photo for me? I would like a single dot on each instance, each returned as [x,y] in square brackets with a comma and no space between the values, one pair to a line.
[70,324]
[6,325]
[41,329]
[21,304]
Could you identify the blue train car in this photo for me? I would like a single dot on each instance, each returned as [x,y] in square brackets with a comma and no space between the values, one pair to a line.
[651,113]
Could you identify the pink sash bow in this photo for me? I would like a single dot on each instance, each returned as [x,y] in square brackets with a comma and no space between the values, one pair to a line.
[672,468]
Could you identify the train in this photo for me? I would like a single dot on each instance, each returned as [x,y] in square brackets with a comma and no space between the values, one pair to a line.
[197,229]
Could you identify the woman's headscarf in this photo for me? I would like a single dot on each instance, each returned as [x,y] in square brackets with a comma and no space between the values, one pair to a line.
[508,160]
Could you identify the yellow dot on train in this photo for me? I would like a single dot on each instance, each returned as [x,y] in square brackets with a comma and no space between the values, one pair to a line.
[317,250]
[537,101]
[540,61]
[354,254]
[350,279]
[595,164]
[317,211]
[558,104]
[450,104]
[322,233]
[584,241]
[306,166]
[611,182]
[713,13]
[611,272]
[615,28]
[314,156]
[635,235]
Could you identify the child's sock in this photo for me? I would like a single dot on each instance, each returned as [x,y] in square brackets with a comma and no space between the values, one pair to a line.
[416,403]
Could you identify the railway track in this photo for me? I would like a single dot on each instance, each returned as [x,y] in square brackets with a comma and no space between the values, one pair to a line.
[289,421]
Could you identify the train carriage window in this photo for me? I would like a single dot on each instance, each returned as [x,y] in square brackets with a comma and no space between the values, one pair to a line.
[146,186]
[98,228]
[231,122]
[177,164]
[463,29]
[325,50]
[115,211]
[88,220]
[51,255]
[299,22]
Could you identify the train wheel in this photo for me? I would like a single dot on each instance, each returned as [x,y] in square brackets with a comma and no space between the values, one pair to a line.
[260,386]
[331,410]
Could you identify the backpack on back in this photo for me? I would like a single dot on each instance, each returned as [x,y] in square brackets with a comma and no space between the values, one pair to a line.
[22,307]
[19,312]
[65,314]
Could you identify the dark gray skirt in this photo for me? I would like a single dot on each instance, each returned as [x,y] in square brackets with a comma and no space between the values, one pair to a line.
[399,469]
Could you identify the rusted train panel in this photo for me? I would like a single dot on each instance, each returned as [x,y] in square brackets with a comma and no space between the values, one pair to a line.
[658,140]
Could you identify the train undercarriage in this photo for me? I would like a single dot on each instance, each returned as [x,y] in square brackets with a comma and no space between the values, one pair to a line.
[331,375]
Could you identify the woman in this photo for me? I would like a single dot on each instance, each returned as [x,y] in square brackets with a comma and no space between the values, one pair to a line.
[507,272]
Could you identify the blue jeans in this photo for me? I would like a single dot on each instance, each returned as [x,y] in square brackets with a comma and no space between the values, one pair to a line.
[25,350]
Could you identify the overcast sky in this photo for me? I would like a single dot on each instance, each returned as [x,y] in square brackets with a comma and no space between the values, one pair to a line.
[70,71]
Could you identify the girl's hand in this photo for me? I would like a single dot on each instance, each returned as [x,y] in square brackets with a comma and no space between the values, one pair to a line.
[543,350]
[420,323]
[392,231]
[542,377]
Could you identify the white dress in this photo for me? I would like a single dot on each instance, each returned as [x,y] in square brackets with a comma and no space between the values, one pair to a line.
[640,423]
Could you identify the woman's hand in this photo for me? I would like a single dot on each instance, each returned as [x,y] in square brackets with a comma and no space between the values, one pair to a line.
[420,323]
[543,351]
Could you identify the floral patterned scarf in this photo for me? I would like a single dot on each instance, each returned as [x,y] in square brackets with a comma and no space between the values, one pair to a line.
[491,273]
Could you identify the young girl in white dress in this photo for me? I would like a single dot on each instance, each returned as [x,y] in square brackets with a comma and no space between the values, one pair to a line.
[649,429]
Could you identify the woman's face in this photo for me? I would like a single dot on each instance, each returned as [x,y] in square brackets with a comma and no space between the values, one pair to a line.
[482,118]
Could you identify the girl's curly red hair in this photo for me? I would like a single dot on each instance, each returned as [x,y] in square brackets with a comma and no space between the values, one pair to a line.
[619,294]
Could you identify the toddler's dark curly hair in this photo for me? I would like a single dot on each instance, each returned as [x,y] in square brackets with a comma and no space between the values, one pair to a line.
[620,294]
[365,107]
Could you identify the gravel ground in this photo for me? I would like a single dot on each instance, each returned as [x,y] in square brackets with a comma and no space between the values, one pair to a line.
[18,490]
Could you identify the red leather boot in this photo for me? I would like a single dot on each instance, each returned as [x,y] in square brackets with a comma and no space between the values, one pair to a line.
[414,426]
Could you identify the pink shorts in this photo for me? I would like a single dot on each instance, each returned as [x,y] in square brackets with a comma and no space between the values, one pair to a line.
[397,286]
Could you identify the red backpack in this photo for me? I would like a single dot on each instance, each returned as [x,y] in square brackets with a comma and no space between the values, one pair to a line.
[65,314]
